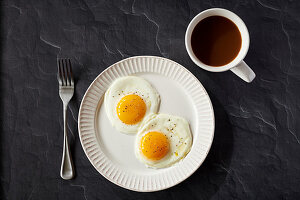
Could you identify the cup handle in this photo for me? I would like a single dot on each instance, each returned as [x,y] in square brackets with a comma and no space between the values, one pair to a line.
[243,71]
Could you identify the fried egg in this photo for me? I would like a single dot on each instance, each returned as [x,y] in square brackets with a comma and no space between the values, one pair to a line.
[128,101]
[163,140]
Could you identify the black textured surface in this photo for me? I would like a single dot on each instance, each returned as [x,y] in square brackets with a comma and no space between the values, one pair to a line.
[256,151]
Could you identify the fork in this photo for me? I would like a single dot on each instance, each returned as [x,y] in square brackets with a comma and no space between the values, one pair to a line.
[66,91]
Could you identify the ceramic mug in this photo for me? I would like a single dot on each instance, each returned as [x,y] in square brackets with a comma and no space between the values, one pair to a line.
[237,65]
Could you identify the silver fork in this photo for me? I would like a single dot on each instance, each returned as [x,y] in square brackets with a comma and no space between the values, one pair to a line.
[66,91]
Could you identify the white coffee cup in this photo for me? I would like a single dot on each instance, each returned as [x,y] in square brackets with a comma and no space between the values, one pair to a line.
[237,65]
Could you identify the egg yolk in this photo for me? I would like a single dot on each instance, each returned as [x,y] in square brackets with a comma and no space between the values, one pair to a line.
[154,145]
[131,109]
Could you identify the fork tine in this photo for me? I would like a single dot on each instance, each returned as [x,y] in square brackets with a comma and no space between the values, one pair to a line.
[65,71]
[60,73]
[65,81]
[68,66]
[70,73]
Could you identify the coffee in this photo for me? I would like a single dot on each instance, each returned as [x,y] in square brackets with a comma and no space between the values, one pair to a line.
[216,41]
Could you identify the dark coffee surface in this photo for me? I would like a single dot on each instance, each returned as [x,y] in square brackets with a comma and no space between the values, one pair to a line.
[216,41]
[255,153]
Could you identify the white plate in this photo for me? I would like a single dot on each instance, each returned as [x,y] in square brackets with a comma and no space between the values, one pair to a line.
[112,152]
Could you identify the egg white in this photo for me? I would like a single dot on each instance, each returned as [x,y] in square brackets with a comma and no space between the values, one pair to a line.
[177,131]
[125,86]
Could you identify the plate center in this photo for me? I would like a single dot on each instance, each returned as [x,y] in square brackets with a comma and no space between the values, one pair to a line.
[119,147]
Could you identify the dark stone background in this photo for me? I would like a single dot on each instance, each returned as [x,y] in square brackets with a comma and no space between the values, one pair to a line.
[256,150]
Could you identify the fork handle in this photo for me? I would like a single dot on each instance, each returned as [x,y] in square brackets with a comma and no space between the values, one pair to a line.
[66,169]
